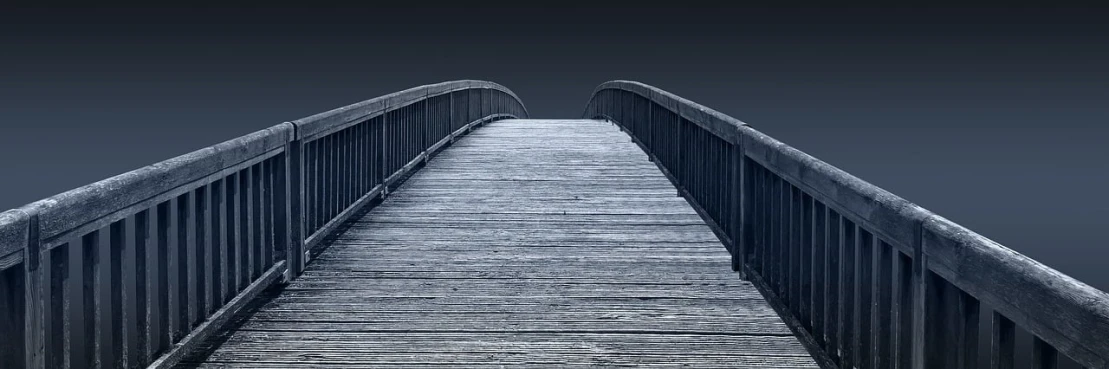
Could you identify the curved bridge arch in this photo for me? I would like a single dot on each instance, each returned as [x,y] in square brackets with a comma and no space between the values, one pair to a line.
[139,269]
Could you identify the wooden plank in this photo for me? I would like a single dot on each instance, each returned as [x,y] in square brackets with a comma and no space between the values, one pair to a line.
[519,261]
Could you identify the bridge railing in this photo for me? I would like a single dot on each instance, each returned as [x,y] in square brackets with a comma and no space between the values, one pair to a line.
[865,278]
[136,270]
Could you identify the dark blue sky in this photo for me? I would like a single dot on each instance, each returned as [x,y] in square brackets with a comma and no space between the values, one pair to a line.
[994,118]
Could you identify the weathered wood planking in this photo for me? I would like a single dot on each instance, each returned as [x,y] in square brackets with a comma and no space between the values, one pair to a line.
[545,243]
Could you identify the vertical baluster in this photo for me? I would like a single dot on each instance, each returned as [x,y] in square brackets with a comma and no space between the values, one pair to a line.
[100,314]
[161,304]
[790,246]
[231,241]
[967,331]
[1002,342]
[376,145]
[349,179]
[784,240]
[219,246]
[934,300]
[864,256]
[883,304]
[246,230]
[320,206]
[268,213]
[332,189]
[84,309]
[144,294]
[741,207]
[341,173]
[758,220]
[359,159]
[281,219]
[775,244]
[12,311]
[310,185]
[951,319]
[833,302]
[1044,356]
[766,223]
[325,181]
[903,311]
[56,323]
[819,287]
[379,153]
[181,267]
[201,263]
[804,259]
[112,353]
[257,228]
[847,291]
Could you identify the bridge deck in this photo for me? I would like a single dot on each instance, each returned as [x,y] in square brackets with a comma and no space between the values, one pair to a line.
[545,242]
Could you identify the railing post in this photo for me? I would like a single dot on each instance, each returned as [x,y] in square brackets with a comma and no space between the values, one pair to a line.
[450,116]
[34,330]
[649,144]
[739,208]
[679,179]
[921,292]
[384,158]
[294,207]
[424,144]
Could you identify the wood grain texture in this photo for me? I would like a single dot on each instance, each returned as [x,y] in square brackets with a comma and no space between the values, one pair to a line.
[542,243]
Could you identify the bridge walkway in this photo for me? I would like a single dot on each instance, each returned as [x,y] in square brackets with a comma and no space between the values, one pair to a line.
[550,243]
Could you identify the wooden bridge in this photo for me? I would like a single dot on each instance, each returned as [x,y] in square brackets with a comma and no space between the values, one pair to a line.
[439,226]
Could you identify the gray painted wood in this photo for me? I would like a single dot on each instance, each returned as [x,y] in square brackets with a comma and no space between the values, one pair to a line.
[545,243]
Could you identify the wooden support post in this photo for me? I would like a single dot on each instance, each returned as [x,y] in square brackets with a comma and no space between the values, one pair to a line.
[921,292]
[294,209]
[34,294]
[740,212]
